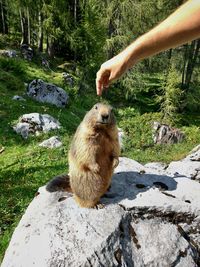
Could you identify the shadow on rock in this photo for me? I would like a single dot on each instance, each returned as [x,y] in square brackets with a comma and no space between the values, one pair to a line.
[127,185]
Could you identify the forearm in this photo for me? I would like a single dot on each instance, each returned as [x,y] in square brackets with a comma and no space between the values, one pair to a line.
[179,28]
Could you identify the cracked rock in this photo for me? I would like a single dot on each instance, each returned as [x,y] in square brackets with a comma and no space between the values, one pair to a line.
[138,226]
[48,93]
[34,123]
[150,249]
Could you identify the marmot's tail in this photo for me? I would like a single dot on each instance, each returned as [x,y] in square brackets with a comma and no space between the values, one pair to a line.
[59,183]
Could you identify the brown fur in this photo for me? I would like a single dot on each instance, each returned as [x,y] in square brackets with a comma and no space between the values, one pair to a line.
[93,155]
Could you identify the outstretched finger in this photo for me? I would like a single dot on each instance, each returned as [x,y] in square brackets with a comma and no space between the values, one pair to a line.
[99,86]
[102,80]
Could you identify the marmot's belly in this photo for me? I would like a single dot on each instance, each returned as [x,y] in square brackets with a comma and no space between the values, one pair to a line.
[90,185]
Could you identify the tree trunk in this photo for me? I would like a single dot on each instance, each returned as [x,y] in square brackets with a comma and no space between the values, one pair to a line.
[185,58]
[75,11]
[191,63]
[190,58]
[40,32]
[111,29]
[51,48]
[28,26]
[24,28]
[3,22]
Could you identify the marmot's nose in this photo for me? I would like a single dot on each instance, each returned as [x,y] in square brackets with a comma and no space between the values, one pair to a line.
[104,117]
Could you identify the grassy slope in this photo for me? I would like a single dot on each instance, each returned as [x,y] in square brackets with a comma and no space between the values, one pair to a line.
[24,166]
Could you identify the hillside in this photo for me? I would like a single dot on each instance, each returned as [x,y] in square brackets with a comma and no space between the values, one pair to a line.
[24,166]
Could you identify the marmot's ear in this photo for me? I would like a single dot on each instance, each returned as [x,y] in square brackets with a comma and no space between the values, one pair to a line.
[96,106]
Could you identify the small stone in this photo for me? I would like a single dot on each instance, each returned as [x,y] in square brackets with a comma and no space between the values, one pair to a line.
[52,142]
[19,98]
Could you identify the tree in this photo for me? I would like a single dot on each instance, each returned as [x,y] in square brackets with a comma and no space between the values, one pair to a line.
[189,60]
[4,19]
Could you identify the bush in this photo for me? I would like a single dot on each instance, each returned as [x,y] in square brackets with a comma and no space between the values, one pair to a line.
[137,128]
[172,95]
[10,82]
[14,66]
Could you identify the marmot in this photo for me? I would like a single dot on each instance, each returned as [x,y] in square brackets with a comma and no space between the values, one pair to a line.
[93,155]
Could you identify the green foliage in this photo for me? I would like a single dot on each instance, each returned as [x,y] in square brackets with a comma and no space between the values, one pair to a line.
[138,142]
[14,66]
[141,89]
[138,128]
[171,99]
[88,38]
[10,82]
[192,98]
[4,40]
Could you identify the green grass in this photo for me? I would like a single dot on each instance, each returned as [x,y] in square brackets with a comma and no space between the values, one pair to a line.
[138,137]
[24,166]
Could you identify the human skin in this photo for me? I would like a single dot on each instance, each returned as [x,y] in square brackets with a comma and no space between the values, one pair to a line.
[180,27]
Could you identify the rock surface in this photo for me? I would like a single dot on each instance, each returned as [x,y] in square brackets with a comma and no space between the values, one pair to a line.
[121,138]
[52,142]
[150,218]
[27,52]
[8,53]
[67,79]
[189,166]
[34,123]
[47,92]
[19,98]
[164,134]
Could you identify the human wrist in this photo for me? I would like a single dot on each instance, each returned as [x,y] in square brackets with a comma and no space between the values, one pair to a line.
[131,55]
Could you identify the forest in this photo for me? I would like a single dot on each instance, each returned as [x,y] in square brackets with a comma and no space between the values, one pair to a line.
[77,37]
[87,33]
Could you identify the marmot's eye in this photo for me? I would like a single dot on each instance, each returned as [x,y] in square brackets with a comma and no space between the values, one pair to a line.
[96,107]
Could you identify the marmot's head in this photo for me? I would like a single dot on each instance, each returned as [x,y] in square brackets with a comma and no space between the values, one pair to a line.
[100,116]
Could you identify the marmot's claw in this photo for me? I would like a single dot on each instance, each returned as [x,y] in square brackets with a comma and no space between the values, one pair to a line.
[99,206]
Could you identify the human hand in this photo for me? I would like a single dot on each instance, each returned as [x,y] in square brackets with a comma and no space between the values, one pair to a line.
[110,70]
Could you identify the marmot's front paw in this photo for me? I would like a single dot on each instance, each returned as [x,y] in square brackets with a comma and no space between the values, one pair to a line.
[115,162]
[95,168]
[99,206]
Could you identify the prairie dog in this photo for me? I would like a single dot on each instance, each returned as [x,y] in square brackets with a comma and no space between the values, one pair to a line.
[93,155]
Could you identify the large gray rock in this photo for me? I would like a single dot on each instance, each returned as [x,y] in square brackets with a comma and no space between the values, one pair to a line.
[34,123]
[150,219]
[189,166]
[47,92]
